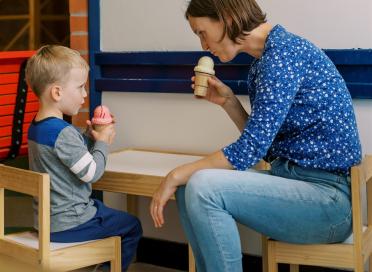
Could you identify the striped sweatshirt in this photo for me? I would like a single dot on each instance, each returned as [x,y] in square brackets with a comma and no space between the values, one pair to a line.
[73,162]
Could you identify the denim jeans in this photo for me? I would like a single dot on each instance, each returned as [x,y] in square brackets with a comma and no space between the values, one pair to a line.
[107,222]
[288,203]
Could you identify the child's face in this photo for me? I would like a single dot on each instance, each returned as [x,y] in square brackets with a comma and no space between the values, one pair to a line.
[73,91]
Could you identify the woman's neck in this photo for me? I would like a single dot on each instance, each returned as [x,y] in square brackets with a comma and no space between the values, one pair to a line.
[254,43]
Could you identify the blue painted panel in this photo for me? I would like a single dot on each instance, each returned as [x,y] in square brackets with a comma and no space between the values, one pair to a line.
[350,56]
[171,71]
[159,85]
[162,58]
[94,46]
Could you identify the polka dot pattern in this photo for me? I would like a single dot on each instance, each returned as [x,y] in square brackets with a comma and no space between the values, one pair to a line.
[301,109]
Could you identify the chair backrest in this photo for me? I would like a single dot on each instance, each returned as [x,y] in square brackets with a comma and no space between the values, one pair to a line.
[361,177]
[10,66]
[36,185]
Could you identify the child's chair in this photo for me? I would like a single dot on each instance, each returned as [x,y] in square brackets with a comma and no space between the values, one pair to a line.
[36,249]
[352,253]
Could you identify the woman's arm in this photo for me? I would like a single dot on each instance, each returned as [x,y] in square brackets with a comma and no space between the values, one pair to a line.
[222,95]
[180,176]
[236,112]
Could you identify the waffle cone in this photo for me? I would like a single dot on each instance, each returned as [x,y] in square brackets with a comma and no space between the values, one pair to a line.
[201,83]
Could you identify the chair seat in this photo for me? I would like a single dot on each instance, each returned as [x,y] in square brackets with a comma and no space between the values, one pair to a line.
[31,239]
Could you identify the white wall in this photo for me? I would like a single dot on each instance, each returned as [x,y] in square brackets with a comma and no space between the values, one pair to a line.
[142,25]
[179,122]
[329,24]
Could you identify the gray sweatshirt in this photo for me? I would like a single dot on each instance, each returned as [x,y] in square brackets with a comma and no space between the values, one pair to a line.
[73,162]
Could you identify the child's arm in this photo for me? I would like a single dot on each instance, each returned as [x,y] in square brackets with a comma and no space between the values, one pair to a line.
[87,165]
[88,138]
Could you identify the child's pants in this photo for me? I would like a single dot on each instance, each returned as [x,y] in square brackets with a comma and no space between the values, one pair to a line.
[106,223]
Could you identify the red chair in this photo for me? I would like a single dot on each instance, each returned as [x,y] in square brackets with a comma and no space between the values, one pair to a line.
[10,84]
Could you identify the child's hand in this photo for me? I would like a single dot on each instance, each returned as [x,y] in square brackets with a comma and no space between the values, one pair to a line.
[88,130]
[107,134]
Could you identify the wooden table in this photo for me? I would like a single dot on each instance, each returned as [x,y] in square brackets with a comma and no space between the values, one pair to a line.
[138,172]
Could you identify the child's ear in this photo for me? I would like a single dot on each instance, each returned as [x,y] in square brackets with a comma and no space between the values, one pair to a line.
[56,92]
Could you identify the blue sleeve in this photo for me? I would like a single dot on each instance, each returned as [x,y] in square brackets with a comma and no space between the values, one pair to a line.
[277,81]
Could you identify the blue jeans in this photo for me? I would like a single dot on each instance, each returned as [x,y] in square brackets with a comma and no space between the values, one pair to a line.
[289,203]
[107,222]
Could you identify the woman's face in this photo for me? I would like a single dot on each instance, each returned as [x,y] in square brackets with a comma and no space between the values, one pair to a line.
[210,32]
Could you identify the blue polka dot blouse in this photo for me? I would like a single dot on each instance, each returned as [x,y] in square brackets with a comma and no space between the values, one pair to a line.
[301,109]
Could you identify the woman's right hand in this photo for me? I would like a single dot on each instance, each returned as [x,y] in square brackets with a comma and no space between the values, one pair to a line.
[218,92]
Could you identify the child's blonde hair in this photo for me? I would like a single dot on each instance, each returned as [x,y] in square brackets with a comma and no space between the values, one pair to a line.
[52,64]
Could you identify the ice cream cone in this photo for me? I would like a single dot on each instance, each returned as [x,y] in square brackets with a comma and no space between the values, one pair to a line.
[201,83]
[101,118]
[203,71]
[99,128]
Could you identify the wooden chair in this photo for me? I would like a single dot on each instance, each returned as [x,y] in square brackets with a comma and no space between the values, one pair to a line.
[36,249]
[351,254]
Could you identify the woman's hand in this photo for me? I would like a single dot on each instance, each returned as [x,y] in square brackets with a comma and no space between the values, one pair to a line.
[179,176]
[163,193]
[218,93]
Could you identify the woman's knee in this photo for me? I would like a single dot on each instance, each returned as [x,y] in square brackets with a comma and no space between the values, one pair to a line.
[199,182]
[201,189]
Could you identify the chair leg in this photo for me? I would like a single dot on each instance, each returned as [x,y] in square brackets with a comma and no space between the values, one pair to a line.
[272,265]
[115,265]
[358,263]
[192,265]
[370,264]
[264,242]
[294,268]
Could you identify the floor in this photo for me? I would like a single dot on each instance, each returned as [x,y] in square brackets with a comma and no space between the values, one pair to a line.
[136,267]
[141,267]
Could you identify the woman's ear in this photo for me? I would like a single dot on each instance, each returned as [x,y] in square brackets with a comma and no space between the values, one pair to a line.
[229,20]
[56,92]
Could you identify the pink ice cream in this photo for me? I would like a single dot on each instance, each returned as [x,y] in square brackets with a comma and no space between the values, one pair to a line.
[101,116]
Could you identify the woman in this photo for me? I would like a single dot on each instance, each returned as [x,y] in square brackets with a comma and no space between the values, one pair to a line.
[302,122]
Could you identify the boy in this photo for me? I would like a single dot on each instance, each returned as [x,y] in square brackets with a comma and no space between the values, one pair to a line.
[74,161]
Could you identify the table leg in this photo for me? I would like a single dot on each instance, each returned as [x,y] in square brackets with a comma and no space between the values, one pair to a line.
[132,208]
[132,204]
[191,261]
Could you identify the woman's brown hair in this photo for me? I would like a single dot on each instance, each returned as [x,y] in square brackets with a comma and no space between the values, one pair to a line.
[245,15]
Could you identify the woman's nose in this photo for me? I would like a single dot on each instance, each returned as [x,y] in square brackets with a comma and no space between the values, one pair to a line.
[204,45]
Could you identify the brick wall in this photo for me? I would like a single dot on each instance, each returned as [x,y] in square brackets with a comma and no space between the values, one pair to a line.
[79,42]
